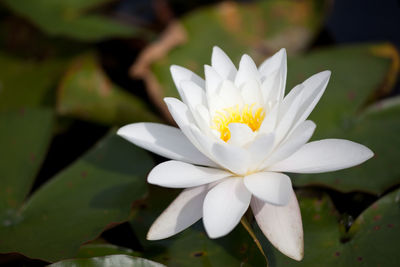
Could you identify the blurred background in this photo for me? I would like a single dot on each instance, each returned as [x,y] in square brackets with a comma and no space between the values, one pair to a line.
[71,72]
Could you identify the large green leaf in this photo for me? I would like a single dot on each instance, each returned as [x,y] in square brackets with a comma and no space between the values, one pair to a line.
[258,29]
[24,139]
[71,19]
[192,247]
[341,113]
[26,83]
[104,249]
[87,93]
[76,205]
[358,73]
[108,261]
[372,239]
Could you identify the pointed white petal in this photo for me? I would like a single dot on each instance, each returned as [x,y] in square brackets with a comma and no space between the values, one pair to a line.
[223,64]
[273,63]
[230,95]
[178,174]
[281,225]
[193,94]
[164,140]
[233,158]
[260,149]
[272,187]
[324,156]
[213,80]
[184,211]
[314,88]
[224,206]
[241,134]
[180,74]
[286,116]
[294,142]
[247,70]
[273,72]
[270,120]
[251,92]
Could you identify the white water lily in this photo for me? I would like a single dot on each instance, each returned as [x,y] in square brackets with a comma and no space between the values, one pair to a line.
[237,135]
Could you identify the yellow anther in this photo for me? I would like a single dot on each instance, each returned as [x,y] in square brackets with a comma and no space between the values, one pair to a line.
[234,115]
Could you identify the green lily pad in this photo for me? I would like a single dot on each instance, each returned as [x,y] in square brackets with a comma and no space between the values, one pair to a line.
[71,19]
[258,29]
[75,206]
[359,72]
[24,140]
[192,247]
[108,261]
[341,113]
[378,129]
[371,240]
[86,93]
[27,83]
[99,250]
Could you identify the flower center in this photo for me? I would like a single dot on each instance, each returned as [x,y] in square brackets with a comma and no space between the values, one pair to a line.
[247,115]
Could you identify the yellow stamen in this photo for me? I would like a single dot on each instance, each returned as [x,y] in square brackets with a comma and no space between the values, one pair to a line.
[234,115]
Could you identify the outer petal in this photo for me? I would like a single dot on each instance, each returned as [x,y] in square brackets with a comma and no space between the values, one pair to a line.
[223,64]
[213,80]
[314,88]
[164,140]
[287,118]
[180,74]
[281,225]
[183,117]
[184,211]
[224,206]
[260,149]
[324,156]
[233,158]
[177,174]
[247,71]
[272,187]
[273,71]
[294,142]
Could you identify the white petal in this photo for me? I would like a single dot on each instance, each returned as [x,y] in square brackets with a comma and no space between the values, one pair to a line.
[324,156]
[270,120]
[179,111]
[281,225]
[184,211]
[164,140]
[273,71]
[273,63]
[194,96]
[247,70]
[183,117]
[223,64]
[260,149]
[230,95]
[241,134]
[251,92]
[233,158]
[314,88]
[178,174]
[286,115]
[180,74]
[275,188]
[224,206]
[213,80]
[294,142]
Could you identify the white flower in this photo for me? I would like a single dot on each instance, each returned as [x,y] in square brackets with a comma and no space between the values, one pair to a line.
[237,134]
